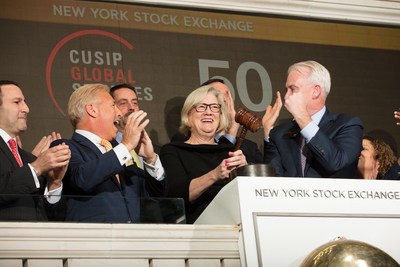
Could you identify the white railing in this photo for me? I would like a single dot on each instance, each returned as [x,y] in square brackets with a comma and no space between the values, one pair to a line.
[143,245]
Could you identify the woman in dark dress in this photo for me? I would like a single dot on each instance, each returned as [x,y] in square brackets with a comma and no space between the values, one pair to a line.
[198,167]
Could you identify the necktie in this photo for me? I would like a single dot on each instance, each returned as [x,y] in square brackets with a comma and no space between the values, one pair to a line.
[14,150]
[136,159]
[107,145]
[303,153]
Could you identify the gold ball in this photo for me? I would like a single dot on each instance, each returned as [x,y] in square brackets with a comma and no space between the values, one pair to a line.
[348,253]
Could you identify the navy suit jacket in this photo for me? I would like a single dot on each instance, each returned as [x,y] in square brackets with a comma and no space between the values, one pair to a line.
[333,151]
[92,190]
[20,199]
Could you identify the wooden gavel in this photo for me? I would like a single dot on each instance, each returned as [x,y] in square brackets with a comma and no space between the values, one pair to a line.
[249,122]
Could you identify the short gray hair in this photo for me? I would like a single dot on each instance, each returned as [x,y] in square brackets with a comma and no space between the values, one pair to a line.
[316,73]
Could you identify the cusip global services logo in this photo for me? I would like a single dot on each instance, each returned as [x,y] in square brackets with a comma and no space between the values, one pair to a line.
[87,56]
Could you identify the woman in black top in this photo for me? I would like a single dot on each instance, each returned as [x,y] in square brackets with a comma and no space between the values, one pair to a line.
[196,168]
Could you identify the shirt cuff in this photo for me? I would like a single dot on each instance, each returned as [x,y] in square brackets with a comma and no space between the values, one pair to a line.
[122,153]
[35,177]
[156,170]
[54,195]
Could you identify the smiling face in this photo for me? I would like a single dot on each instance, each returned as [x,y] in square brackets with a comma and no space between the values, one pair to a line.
[107,115]
[204,124]
[126,100]
[13,110]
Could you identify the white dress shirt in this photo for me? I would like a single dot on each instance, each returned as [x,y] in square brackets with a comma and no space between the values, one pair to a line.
[156,169]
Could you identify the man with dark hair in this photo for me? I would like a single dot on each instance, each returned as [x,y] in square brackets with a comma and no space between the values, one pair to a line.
[126,100]
[23,176]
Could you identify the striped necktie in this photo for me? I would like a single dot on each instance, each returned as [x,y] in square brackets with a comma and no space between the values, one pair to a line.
[14,150]
[107,145]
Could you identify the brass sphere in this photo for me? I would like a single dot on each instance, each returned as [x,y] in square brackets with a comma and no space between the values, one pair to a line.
[348,253]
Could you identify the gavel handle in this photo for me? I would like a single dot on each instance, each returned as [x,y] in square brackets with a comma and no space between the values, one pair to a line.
[241,138]
[232,174]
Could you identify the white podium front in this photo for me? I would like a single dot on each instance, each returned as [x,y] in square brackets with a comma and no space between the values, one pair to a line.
[284,219]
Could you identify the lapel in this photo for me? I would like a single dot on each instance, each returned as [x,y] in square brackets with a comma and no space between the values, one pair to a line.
[328,122]
[292,131]
[291,136]
[7,152]
[325,126]
[83,141]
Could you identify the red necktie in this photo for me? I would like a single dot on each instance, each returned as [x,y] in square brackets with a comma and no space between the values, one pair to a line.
[14,150]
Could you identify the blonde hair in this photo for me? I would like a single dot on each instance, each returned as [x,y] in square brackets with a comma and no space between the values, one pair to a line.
[193,99]
[316,73]
[81,97]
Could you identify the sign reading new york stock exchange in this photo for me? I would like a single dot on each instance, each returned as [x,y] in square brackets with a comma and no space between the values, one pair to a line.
[326,194]
[166,53]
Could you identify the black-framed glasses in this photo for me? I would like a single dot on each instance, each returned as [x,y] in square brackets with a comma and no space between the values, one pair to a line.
[215,108]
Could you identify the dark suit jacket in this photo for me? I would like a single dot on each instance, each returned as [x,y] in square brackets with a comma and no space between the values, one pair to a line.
[393,173]
[333,151]
[20,200]
[93,193]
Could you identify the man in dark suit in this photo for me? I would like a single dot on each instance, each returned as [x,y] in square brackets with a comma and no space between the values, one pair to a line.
[102,183]
[317,143]
[24,178]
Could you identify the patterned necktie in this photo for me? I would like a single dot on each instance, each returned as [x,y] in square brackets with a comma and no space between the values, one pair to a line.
[303,153]
[107,145]
[14,150]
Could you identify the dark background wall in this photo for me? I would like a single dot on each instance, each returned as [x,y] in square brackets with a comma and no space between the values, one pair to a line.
[168,52]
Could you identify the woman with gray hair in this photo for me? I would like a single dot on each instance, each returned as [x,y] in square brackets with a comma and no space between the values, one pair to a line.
[197,168]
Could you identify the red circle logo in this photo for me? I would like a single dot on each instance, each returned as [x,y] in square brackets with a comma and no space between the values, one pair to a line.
[65,41]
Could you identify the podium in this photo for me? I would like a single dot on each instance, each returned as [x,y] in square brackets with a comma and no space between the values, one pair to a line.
[284,219]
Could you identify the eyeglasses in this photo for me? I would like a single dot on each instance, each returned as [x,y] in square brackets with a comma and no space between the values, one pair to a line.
[215,108]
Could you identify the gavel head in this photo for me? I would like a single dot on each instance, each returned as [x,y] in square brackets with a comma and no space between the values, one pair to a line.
[248,120]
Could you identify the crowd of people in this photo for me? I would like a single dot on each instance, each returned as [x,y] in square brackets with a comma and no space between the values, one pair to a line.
[110,163]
